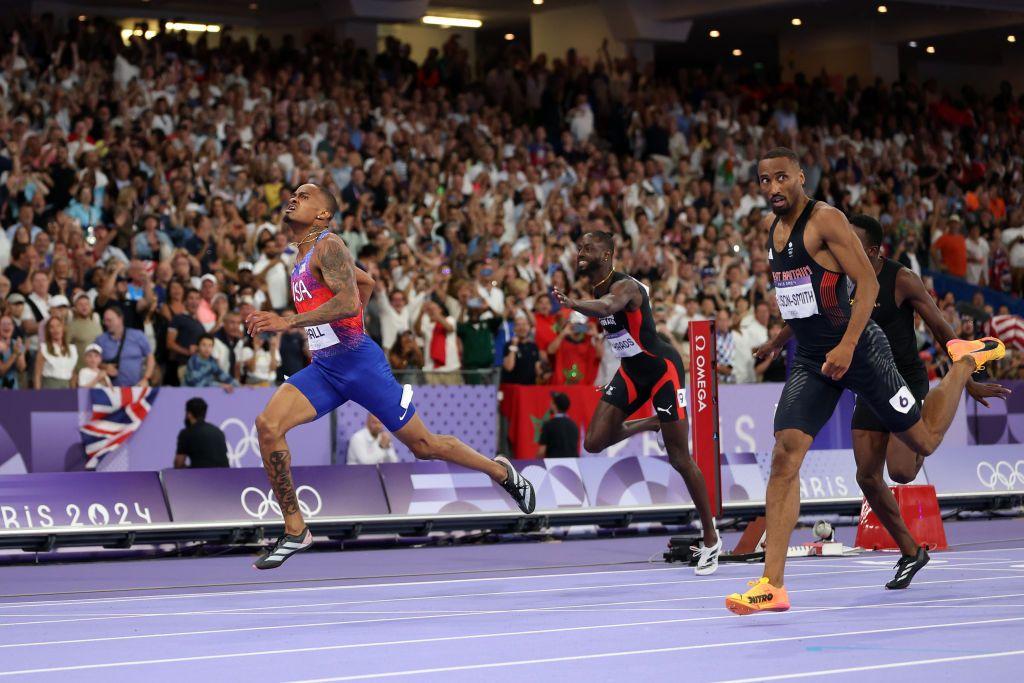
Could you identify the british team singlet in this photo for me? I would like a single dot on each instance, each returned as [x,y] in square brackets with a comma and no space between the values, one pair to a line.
[813,300]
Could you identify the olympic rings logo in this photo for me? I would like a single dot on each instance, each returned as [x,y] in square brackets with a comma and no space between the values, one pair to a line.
[308,497]
[1003,474]
[249,441]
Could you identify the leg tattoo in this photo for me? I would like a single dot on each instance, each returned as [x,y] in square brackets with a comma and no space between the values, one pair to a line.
[279,469]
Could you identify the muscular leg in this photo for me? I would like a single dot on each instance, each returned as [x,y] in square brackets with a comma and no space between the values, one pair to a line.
[936,416]
[609,426]
[868,451]
[677,444]
[426,445]
[782,502]
[288,408]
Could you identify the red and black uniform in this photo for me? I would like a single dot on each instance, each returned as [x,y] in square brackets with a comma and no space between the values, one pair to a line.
[650,367]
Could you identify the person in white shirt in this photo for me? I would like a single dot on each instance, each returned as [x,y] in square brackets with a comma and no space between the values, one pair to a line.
[261,360]
[56,360]
[483,273]
[371,445]
[274,271]
[439,342]
[752,333]
[91,375]
[977,257]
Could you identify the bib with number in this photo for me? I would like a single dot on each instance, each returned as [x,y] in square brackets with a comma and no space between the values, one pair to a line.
[321,336]
[623,345]
[796,298]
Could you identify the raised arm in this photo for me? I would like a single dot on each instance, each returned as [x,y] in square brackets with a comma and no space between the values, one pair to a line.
[622,295]
[842,242]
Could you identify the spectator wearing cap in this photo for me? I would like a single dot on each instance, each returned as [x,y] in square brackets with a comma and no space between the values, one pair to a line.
[60,308]
[950,249]
[183,335]
[90,374]
[559,435]
[84,325]
[200,444]
[56,360]
[127,355]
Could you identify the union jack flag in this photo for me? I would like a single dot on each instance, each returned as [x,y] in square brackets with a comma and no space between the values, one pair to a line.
[116,414]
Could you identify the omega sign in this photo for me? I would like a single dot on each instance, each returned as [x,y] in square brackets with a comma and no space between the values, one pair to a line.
[700,380]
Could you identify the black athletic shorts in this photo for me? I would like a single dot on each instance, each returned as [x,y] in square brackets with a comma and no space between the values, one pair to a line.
[659,379]
[809,398]
[864,417]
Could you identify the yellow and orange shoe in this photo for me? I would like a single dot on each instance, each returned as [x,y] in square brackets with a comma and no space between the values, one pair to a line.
[980,350]
[763,597]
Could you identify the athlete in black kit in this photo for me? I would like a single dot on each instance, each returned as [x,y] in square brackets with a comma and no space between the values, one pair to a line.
[812,252]
[650,370]
[901,294]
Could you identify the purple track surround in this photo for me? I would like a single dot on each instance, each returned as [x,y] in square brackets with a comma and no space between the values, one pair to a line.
[577,610]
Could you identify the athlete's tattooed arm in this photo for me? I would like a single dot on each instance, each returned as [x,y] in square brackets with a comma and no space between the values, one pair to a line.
[622,295]
[338,270]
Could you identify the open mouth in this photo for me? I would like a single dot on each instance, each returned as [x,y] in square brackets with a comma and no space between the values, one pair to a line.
[778,200]
[581,264]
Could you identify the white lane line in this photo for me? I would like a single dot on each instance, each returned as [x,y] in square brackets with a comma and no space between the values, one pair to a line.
[627,653]
[348,646]
[279,591]
[535,610]
[876,667]
[72,618]
[284,591]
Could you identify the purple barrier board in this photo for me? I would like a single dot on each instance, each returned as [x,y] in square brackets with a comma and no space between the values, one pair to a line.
[556,482]
[39,431]
[153,446]
[30,501]
[978,469]
[467,412]
[420,487]
[632,481]
[244,494]
[428,487]
[1002,422]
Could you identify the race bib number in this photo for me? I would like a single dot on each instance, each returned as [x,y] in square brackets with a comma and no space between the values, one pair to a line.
[796,298]
[320,337]
[623,345]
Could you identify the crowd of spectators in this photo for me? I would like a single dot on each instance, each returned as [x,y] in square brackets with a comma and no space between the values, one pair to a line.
[141,187]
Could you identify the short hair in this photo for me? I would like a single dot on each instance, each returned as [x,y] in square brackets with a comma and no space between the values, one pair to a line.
[191,290]
[871,227]
[561,401]
[605,238]
[782,153]
[205,336]
[330,201]
[196,407]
